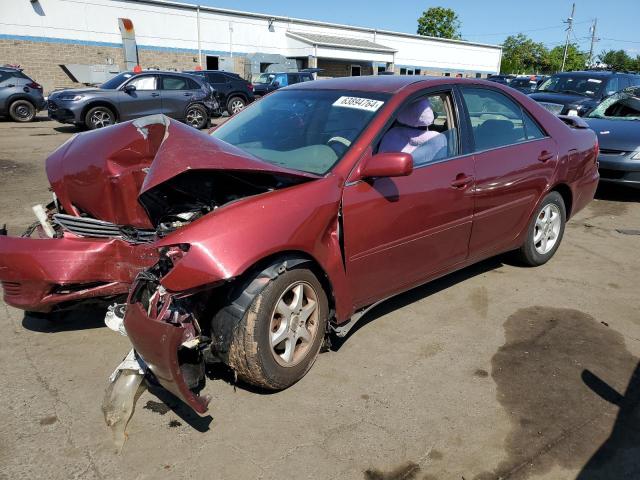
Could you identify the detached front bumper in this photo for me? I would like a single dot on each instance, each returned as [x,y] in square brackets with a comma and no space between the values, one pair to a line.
[37,274]
[168,339]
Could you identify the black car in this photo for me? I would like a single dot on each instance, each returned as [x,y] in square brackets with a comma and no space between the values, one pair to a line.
[234,92]
[502,79]
[616,121]
[527,84]
[577,93]
[131,95]
[20,96]
[268,82]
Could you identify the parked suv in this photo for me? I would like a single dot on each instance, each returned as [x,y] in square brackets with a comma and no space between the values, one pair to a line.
[20,96]
[578,93]
[234,92]
[268,82]
[131,95]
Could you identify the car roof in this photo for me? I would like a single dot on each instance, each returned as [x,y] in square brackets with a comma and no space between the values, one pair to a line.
[372,83]
[588,73]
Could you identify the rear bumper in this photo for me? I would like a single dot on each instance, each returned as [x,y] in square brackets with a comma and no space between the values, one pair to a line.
[620,168]
[37,274]
[168,343]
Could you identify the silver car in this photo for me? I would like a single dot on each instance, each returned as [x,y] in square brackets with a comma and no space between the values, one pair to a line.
[131,95]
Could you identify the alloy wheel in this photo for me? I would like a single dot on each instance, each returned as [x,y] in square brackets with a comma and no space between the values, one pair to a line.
[236,106]
[194,117]
[547,229]
[294,324]
[101,118]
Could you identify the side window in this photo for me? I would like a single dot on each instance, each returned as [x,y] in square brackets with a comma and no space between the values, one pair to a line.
[496,120]
[3,76]
[216,78]
[613,85]
[192,84]
[634,80]
[282,80]
[531,128]
[306,78]
[174,83]
[293,79]
[146,82]
[424,127]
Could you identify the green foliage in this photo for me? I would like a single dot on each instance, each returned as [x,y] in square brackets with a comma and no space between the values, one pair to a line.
[521,55]
[620,60]
[439,22]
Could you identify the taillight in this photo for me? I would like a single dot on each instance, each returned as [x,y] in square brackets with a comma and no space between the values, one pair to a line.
[250,87]
[34,85]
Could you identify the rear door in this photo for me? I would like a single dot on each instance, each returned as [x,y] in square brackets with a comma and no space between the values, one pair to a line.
[399,232]
[221,84]
[144,100]
[177,93]
[514,160]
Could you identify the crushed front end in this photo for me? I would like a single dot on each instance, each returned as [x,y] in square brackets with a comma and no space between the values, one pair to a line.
[164,330]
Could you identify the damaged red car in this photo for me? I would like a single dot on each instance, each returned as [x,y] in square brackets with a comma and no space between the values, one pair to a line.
[249,245]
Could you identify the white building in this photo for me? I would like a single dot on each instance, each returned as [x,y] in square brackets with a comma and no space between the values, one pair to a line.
[44,35]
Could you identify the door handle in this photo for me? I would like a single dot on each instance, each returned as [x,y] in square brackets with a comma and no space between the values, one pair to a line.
[545,156]
[10,85]
[462,181]
[188,94]
[155,94]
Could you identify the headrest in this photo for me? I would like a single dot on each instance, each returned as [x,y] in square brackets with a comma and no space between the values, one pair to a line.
[417,114]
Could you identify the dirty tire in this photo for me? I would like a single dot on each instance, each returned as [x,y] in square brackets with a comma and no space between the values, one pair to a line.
[22,111]
[251,355]
[99,117]
[528,253]
[197,117]
[235,105]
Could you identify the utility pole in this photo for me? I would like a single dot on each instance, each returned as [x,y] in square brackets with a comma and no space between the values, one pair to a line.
[593,41]
[569,23]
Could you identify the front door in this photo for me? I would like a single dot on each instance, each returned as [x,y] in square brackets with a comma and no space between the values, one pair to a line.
[513,160]
[399,232]
[144,100]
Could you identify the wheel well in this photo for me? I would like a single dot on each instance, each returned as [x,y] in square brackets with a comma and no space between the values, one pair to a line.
[309,263]
[567,196]
[18,96]
[236,94]
[99,103]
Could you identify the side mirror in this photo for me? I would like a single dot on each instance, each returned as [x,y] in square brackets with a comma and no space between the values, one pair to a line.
[276,84]
[129,88]
[388,164]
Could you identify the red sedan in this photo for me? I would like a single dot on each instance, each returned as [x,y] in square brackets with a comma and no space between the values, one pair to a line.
[297,215]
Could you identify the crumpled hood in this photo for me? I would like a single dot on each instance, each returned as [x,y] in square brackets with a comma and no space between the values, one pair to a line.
[103,172]
[184,149]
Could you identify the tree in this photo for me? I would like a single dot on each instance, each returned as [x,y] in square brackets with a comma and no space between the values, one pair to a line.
[520,54]
[576,60]
[618,60]
[439,22]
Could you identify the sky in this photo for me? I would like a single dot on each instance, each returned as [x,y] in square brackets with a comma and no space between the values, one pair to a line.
[483,21]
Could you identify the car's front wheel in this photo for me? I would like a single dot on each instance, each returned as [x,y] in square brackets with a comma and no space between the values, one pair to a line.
[197,117]
[235,105]
[99,117]
[22,111]
[545,231]
[281,332]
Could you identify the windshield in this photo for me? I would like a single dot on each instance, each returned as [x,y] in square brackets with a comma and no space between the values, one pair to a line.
[624,105]
[578,84]
[116,81]
[265,78]
[307,130]
[522,82]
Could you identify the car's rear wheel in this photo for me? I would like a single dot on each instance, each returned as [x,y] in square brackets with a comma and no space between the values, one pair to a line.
[545,231]
[22,111]
[197,117]
[280,334]
[235,105]
[99,117]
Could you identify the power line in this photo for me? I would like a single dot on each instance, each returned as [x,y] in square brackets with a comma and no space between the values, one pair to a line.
[554,27]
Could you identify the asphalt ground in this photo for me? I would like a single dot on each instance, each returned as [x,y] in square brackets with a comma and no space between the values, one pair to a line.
[496,371]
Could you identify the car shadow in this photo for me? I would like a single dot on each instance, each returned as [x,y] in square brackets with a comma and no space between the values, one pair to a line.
[64,321]
[617,457]
[617,193]
[186,414]
[67,129]
[420,293]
